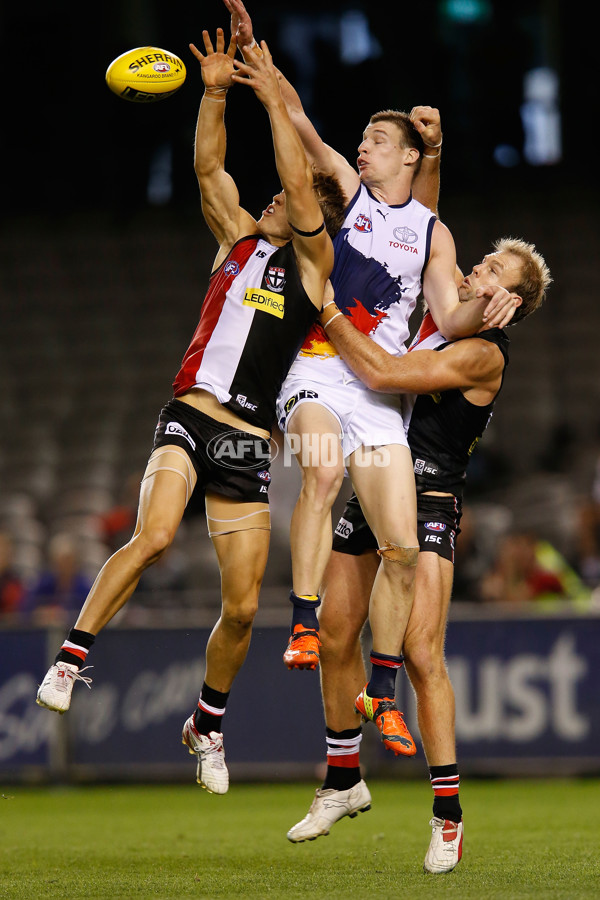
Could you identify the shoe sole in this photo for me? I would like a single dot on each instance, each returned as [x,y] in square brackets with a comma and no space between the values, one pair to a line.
[308,660]
[305,664]
[52,708]
[351,815]
[439,871]
[308,666]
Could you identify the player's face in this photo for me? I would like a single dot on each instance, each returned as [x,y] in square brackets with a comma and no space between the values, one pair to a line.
[502,269]
[380,156]
[274,219]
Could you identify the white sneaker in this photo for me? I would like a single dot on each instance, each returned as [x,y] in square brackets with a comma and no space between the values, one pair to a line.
[445,849]
[327,808]
[55,690]
[212,772]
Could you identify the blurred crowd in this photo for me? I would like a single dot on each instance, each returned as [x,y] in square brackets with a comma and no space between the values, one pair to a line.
[538,545]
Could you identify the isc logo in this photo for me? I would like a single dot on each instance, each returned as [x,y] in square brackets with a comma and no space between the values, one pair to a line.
[243,401]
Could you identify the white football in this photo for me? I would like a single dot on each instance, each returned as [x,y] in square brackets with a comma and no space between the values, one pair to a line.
[145,74]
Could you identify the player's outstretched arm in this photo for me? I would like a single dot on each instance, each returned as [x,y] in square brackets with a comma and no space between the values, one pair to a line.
[303,211]
[471,363]
[220,197]
[319,154]
[493,308]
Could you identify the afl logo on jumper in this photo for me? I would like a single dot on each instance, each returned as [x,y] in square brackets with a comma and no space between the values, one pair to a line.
[232,268]
[275,278]
[363,223]
[435,526]
[406,235]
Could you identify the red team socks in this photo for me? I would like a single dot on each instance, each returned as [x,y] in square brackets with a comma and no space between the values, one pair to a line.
[445,782]
[211,709]
[343,768]
[75,648]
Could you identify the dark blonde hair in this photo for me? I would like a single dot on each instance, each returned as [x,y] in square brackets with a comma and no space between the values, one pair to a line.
[534,276]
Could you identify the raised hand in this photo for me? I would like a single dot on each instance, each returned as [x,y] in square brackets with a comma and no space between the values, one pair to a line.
[217,65]
[241,23]
[501,307]
[259,73]
[426,120]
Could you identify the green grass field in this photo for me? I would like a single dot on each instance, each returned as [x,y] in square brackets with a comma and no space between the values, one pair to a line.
[522,839]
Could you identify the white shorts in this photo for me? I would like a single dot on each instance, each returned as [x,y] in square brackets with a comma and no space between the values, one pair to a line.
[366,418]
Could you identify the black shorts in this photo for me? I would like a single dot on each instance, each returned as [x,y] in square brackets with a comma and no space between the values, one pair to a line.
[438,520]
[227,461]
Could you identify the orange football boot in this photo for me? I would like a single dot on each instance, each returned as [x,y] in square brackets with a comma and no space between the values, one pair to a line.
[302,649]
[384,713]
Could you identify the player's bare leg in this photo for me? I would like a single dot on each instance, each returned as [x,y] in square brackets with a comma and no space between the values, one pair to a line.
[424,658]
[426,668]
[167,484]
[384,483]
[346,589]
[163,498]
[314,435]
[242,555]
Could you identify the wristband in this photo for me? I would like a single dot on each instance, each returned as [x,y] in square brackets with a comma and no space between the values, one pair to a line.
[332,318]
[430,155]
[433,146]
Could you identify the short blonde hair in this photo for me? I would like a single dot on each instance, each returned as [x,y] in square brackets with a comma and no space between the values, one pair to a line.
[534,277]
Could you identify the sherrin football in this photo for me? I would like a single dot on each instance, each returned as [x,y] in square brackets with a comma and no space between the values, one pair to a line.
[145,74]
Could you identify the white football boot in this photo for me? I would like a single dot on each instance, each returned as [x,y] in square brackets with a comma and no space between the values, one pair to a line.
[445,849]
[328,807]
[212,772]
[55,690]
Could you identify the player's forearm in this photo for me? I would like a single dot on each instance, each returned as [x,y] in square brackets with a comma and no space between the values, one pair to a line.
[210,141]
[290,159]
[369,361]
[426,186]
[420,372]
[462,320]
[319,154]
[290,95]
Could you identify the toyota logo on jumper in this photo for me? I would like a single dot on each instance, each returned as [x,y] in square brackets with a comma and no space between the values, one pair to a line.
[405,235]
[240,450]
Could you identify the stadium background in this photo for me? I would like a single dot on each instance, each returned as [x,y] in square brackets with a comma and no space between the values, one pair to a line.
[104,259]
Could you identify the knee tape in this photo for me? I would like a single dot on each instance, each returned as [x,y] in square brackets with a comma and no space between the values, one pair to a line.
[404,556]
